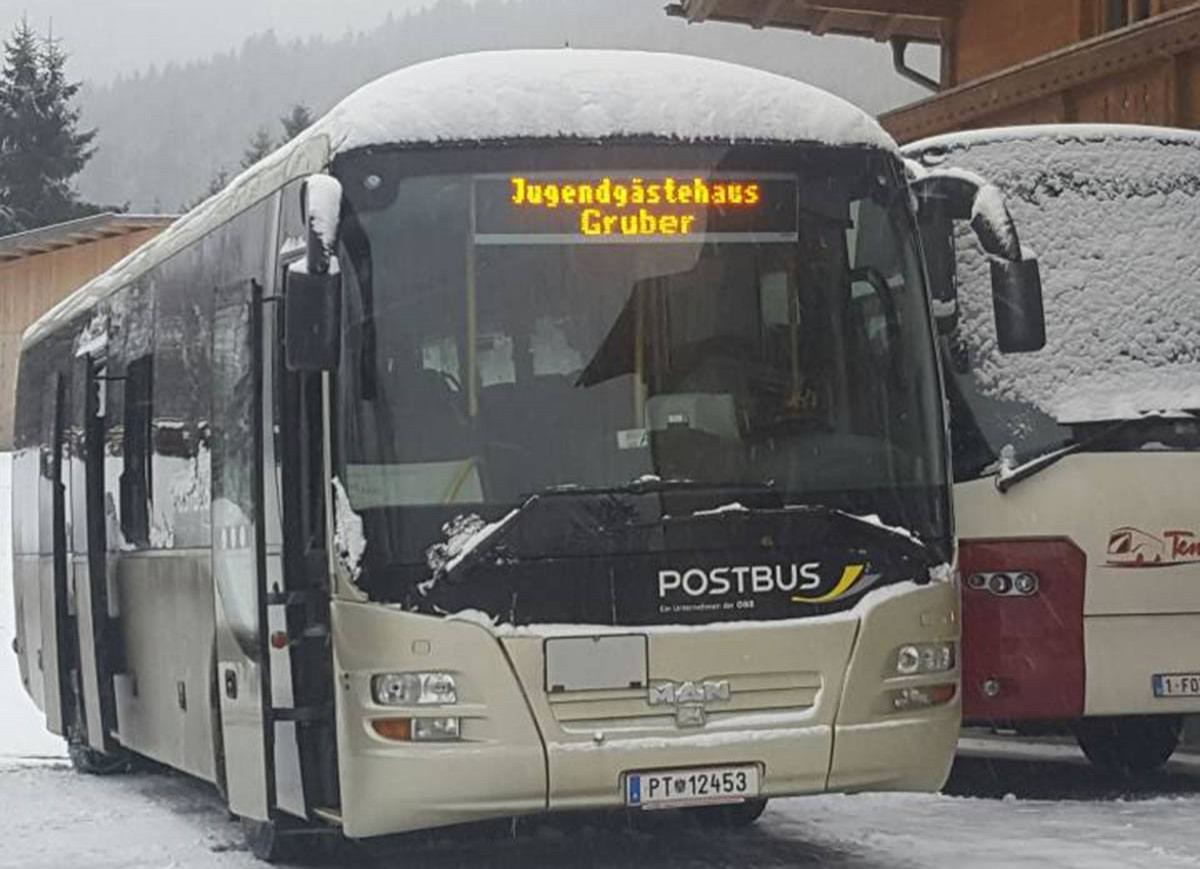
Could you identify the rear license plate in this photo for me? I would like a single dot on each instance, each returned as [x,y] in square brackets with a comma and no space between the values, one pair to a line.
[684,787]
[1177,684]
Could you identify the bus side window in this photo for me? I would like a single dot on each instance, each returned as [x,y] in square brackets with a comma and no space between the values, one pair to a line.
[136,450]
[129,408]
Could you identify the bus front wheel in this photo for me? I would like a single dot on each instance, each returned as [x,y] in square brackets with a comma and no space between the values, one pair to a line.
[1129,746]
[269,841]
[88,760]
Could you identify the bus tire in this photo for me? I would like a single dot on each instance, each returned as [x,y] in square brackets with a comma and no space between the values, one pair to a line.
[269,841]
[733,816]
[1129,747]
[88,760]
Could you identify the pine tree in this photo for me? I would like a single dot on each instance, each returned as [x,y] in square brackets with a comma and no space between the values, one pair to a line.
[216,184]
[260,146]
[42,149]
[296,121]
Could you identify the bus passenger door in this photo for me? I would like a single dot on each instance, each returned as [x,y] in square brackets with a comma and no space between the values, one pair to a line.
[58,609]
[100,654]
[239,553]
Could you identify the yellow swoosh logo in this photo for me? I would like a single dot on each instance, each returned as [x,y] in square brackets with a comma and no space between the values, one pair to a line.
[851,574]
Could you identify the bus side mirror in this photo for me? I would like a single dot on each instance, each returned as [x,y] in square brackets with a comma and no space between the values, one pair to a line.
[1017,303]
[948,195]
[313,286]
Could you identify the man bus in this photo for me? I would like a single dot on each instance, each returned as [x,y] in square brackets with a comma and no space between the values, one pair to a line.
[1075,466]
[539,431]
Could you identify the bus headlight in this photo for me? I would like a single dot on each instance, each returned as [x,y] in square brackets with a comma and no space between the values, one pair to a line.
[409,689]
[918,658]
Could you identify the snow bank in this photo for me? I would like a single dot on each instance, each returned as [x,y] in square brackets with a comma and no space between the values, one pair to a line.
[589,94]
[1114,213]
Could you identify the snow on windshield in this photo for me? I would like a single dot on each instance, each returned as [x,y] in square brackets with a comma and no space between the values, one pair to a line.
[1115,220]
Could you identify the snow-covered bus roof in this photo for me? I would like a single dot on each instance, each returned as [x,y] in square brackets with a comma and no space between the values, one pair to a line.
[520,95]
[593,94]
[1055,132]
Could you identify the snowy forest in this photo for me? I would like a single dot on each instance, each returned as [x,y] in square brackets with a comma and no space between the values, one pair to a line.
[165,134]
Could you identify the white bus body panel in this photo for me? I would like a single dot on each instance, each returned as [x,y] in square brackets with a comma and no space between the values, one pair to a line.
[809,704]
[1138,620]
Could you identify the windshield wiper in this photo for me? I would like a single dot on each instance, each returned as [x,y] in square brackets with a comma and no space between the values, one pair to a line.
[488,538]
[1006,479]
[652,485]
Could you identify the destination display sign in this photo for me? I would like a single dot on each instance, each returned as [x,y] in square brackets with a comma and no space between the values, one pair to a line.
[635,208]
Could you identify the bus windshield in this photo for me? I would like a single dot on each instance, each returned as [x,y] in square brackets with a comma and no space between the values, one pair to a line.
[1109,212]
[520,321]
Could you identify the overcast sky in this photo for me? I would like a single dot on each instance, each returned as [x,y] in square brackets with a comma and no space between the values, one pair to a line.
[109,37]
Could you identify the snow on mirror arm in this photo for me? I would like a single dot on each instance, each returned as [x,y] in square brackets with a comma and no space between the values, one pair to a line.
[312,319]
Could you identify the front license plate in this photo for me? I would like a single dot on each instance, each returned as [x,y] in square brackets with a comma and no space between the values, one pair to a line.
[690,787]
[1177,684]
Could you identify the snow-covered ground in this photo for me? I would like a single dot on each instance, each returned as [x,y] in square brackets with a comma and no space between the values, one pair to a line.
[53,817]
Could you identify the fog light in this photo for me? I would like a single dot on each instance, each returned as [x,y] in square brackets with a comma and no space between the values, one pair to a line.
[922,698]
[990,687]
[977,580]
[1000,583]
[435,729]
[406,689]
[1026,584]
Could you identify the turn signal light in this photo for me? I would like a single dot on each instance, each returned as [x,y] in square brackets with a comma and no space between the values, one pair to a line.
[395,729]
[418,729]
[922,698]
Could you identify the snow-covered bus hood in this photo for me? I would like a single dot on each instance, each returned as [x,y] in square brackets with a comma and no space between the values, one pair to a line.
[1129,396]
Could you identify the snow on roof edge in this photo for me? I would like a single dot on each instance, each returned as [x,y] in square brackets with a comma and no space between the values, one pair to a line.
[588,93]
[1062,132]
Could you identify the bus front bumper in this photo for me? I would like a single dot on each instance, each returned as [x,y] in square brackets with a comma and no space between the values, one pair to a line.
[517,756]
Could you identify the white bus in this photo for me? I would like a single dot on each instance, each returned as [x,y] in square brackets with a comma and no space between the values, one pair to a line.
[1076,466]
[539,431]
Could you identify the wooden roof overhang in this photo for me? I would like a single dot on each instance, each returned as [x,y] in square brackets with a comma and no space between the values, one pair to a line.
[1158,39]
[77,232]
[881,20]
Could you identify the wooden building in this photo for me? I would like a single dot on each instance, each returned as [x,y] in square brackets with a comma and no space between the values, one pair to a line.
[1009,62]
[38,268]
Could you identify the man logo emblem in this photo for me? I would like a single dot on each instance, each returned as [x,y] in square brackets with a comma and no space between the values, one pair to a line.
[690,698]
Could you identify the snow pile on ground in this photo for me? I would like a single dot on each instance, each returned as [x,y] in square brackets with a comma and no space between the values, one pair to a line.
[22,726]
[1114,215]
[587,94]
